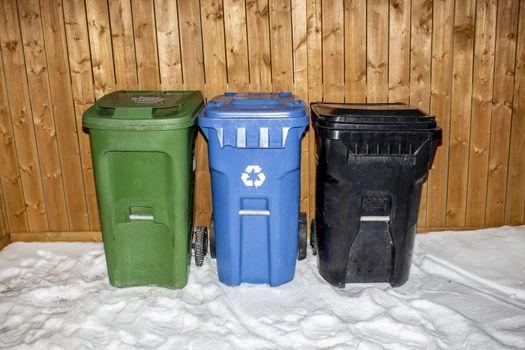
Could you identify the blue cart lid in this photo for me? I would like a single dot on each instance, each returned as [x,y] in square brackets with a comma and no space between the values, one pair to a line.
[254,115]
[255,105]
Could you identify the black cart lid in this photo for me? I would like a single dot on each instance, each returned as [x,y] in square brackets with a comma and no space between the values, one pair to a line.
[376,116]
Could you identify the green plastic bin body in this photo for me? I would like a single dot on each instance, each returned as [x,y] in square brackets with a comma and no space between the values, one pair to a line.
[142,147]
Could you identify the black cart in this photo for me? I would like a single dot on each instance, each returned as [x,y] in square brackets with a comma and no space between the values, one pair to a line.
[372,161]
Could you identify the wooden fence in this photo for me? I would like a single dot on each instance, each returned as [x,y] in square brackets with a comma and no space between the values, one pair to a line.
[463,61]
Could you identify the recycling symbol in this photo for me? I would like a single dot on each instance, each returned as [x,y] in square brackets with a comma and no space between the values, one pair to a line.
[249,173]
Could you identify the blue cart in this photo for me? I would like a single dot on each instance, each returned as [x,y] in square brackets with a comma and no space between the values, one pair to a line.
[254,144]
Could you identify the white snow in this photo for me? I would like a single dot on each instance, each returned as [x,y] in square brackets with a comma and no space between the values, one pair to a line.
[466,290]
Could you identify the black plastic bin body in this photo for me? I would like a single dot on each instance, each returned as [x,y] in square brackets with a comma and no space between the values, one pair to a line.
[372,161]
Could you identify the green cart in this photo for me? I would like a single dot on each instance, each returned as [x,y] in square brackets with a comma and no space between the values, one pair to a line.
[142,143]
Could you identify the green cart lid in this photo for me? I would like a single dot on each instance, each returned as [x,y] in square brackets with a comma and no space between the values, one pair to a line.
[144,110]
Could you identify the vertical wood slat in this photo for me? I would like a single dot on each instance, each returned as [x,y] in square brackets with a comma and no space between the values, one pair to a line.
[515,207]
[258,34]
[214,47]
[420,62]
[377,51]
[83,94]
[442,39]
[333,51]
[300,88]
[504,64]
[281,44]
[315,63]
[122,39]
[21,117]
[5,236]
[315,88]
[236,45]
[12,194]
[61,95]
[191,45]
[100,47]
[355,50]
[168,44]
[464,24]
[193,76]
[146,44]
[481,111]
[44,120]
[212,16]
[399,51]
[4,227]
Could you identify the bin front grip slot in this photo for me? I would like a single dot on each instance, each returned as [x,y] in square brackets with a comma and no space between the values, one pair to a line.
[254,212]
[141,213]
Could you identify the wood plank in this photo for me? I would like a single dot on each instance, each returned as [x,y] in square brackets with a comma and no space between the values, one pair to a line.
[258,27]
[315,40]
[168,44]
[281,45]
[420,62]
[515,208]
[442,38]
[236,45]
[193,75]
[481,111]
[4,225]
[212,15]
[355,50]
[100,46]
[62,98]
[214,47]
[315,89]
[123,41]
[503,91]
[41,105]
[83,94]
[191,45]
[399,51]
[426,229]
[4,241]
[22,118]
[13,194]
[464,23]
[333,51]
[68,236]
[300,64]
[146,44]
[377,51]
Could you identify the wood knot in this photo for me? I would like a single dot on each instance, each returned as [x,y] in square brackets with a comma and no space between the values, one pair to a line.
[11,45]
[53,175]
[396,5]
[14,179]
[30,16]
[28,169]
[263,12]
[20,212]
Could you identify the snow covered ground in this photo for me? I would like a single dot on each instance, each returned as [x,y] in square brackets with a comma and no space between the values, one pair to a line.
[466,290]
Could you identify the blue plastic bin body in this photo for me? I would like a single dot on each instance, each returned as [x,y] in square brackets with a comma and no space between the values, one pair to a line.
[254,146]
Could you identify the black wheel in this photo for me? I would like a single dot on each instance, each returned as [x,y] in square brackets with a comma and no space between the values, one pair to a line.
[302,243]
[200,244]
[211,235]
[313,237]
